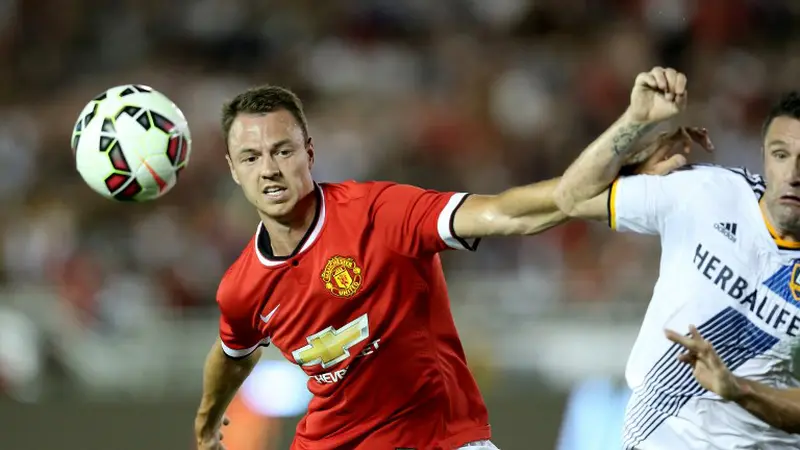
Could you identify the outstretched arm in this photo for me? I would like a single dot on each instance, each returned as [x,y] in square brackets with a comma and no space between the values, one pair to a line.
[656,96]
[532,209]
[779,408]
[520,210]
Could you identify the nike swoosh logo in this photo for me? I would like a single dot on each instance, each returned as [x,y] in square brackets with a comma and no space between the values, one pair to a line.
[266,318]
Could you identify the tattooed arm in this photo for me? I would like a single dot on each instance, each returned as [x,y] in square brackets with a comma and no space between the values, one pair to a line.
[656,96]
[599,164]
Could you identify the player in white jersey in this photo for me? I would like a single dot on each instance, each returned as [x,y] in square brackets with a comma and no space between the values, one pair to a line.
[729,265]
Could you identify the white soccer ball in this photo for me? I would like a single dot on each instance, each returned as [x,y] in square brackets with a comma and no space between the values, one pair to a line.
[130,143]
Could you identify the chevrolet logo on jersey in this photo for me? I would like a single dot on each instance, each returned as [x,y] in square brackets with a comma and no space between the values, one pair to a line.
[331,346]
[785,283]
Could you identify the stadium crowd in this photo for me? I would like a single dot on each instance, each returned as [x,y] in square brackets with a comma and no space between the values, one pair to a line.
[452,94]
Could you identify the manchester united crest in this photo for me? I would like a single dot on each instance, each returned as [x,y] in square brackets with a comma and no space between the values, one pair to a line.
[342,276]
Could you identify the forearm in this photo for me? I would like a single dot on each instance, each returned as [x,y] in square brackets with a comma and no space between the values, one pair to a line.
[530,208]
[779,408]
[599,164]
[222,377]
[520,210]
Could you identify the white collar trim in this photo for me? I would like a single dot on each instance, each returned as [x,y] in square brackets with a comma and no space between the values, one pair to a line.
[308,242]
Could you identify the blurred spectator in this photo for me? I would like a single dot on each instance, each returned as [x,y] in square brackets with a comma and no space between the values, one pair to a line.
[453,94]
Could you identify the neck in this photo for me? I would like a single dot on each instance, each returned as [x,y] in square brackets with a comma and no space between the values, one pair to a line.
[778,233]
[285,233]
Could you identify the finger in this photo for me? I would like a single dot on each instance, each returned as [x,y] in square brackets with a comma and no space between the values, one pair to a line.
[703,346]
[664,136]
[684,341]
[676,338]
[674,135]
[225,420]
[672,81]
[221,436]
[660,154]
[695,334]
[700,135]
[681,84]
[688,358]
[670,164]
[661,144]
[647,79]
[671,138]
[672,78]
[661,78]
[686,140]
[682,99]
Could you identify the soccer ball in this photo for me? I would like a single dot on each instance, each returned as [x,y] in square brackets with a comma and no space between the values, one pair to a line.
[130,143]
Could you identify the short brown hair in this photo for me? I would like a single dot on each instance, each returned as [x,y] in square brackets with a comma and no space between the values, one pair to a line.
[263,100]
[787,106]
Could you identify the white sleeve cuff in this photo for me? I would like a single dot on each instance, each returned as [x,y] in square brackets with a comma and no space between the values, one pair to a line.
[445,225]
[238,354]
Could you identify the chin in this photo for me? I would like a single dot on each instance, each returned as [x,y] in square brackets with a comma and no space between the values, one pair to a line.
[277,210]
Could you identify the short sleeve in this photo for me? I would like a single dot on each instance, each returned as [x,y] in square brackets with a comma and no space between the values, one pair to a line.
[642,203]
[239,340]
[416,221]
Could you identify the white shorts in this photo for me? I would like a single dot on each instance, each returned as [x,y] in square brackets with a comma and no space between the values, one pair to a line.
[479,445]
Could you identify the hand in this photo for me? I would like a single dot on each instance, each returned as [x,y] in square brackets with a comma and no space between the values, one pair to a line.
[657,95]
[707,367]
[659,158]
[211,440]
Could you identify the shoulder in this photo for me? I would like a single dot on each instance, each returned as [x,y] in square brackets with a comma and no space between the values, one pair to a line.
[716,178]
[364,192]
[346,192]
[231,296]
[356,189]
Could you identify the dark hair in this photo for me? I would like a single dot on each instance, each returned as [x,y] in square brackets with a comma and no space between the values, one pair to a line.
[263,100]
[788,106]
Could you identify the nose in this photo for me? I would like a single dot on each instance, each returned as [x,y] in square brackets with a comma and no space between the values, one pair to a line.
[269,168]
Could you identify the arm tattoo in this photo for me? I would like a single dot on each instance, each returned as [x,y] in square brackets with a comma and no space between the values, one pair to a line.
[627,136]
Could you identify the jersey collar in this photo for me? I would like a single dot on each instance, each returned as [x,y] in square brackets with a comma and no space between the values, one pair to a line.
[782,244]
[264,248]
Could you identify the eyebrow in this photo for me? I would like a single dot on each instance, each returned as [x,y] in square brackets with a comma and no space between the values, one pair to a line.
[776,142]
[273,147]
[280,143]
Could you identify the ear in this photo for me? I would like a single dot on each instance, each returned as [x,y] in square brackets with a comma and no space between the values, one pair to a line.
[310,152]
[233,171]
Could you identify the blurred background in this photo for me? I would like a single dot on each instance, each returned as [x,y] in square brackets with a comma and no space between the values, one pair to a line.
[107,310]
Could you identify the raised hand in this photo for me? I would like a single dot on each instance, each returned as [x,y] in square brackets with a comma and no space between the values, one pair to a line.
[657,95]
[708,368]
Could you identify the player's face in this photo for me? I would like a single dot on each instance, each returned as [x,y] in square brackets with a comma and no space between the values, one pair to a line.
[782,171]
[270,159]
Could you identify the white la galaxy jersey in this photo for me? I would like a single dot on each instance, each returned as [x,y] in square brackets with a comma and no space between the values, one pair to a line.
[723,271]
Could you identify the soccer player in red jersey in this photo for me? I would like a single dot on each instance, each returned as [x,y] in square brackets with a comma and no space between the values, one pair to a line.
[345,280]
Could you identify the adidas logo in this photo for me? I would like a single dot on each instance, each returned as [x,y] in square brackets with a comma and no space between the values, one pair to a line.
[728,229]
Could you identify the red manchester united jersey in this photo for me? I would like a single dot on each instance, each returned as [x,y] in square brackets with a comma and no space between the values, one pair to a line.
[363,308]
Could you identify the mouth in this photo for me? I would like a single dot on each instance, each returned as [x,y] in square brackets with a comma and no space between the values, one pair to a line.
[279,192]
[790,199]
